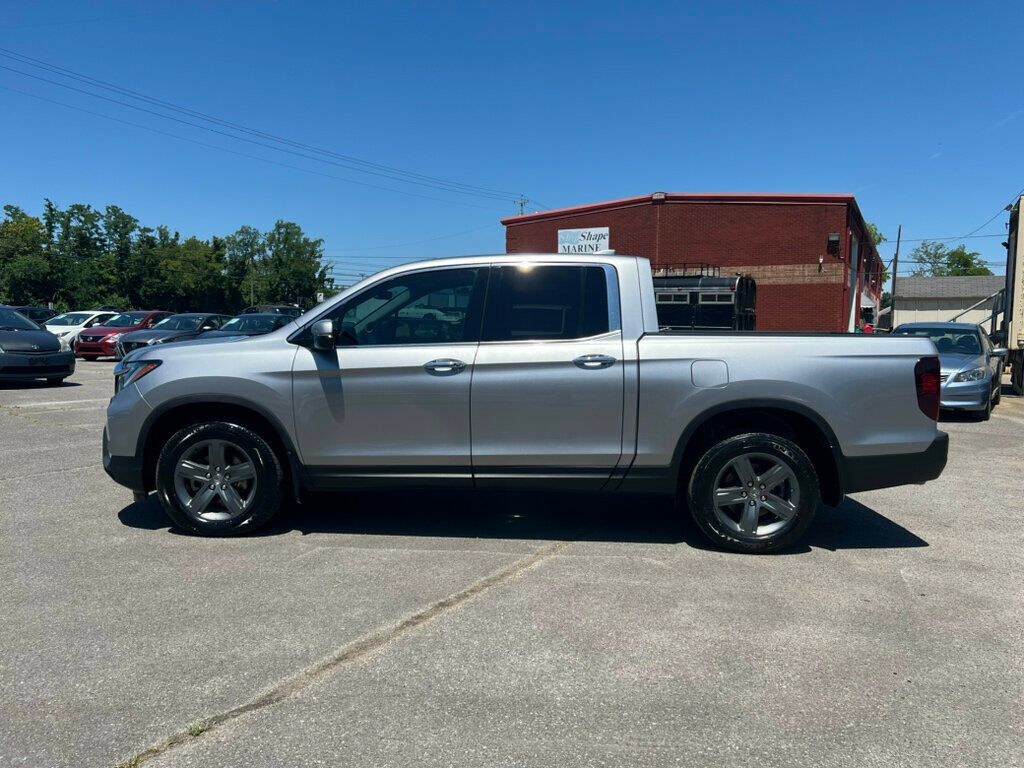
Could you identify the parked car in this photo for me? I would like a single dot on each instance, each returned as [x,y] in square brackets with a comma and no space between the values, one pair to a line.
[557,376]
[101,340]
[183,327]
[28,351]
[971,365]
[272,309]
[249,325]
[36,314]
[66,327]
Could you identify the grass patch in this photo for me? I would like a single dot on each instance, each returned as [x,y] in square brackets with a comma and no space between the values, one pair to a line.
[198,729]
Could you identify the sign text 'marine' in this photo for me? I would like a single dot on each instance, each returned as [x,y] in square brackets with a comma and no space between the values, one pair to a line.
[591,240]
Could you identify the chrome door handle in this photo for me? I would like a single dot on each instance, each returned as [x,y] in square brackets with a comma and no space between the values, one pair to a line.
[590,362]
[445,366]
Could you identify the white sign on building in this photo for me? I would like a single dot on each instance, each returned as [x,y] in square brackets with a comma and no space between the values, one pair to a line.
[583,240]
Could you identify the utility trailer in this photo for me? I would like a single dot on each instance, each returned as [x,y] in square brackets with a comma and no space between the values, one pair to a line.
[1009,330]
[697,297]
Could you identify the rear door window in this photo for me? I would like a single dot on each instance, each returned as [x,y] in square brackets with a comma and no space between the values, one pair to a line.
[547,303]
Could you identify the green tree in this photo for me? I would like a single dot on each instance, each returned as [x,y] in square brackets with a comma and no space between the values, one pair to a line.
[25,274]
[243,253]
[189,276]
[933,259]
[80,257]
[119,231]
[877,238]
[292,269]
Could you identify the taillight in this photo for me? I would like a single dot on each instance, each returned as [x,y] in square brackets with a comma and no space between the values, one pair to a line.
[926,375]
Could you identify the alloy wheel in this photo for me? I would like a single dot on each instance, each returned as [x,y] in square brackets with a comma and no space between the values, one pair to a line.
[215,480]
[756,495]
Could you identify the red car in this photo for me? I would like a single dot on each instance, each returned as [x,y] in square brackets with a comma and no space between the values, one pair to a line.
[101,340]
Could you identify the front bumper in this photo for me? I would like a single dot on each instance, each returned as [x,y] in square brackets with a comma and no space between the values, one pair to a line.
[965,395]
[124,470]
[36,365]
[868,473]
[99,348]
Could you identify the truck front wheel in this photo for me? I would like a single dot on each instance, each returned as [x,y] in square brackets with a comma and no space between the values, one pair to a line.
[755,492]
[218,479]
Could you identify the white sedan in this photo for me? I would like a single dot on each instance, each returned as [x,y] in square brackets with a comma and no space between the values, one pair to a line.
[66,327]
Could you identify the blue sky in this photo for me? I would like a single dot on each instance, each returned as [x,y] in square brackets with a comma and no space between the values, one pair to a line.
[918,111]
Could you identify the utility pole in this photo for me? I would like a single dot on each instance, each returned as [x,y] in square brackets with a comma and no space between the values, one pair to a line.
[895,270]
[522,204]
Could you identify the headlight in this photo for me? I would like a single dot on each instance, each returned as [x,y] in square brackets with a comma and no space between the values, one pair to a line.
[975,374]
[129,371]
[156,341]
[114,336]
[62,334]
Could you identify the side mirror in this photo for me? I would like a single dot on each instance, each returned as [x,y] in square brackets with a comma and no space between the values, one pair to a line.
[1001,352]
[323,335]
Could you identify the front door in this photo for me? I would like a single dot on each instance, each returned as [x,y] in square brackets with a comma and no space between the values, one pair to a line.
[547,399]
[392,400]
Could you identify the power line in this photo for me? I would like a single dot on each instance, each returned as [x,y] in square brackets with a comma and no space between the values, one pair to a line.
[214,130]
[244,154]
[366,166]
[413,242]
[997,215]
[945,239]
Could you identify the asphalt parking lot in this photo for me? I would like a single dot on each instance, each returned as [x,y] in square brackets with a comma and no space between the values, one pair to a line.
[491,630]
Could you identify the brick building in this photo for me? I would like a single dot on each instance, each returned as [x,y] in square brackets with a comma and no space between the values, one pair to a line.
[811,255]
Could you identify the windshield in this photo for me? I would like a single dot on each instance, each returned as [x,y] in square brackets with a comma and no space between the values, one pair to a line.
[71,318]
[125,321]
[179,323]
[947,340]
[253,324]
[15,321]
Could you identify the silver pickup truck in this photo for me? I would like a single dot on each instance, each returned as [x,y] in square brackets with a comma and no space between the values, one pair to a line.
[524,371]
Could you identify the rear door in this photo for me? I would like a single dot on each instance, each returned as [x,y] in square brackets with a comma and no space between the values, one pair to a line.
[547,392]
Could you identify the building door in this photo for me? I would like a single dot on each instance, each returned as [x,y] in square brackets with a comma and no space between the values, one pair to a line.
[393,399]
[547,393]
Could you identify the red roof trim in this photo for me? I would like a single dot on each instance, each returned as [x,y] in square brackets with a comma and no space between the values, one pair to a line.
[689,197]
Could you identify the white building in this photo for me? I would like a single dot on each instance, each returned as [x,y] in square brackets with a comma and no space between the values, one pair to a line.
[940,299]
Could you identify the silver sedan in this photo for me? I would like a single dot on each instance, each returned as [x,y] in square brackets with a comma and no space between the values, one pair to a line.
[972,367]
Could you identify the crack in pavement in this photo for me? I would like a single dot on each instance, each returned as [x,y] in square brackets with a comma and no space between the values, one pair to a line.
[48,472]
[358,649]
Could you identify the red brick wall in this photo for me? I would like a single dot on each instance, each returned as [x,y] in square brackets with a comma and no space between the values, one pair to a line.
[778,243]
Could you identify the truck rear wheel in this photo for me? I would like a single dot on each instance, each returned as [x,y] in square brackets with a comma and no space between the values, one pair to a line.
[218,479]
[755,492]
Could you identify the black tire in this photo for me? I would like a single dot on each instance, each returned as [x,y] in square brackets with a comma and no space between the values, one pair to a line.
[760,449]
[986,414]
[55,381]
[265,496]
[91,358]
[997,387]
